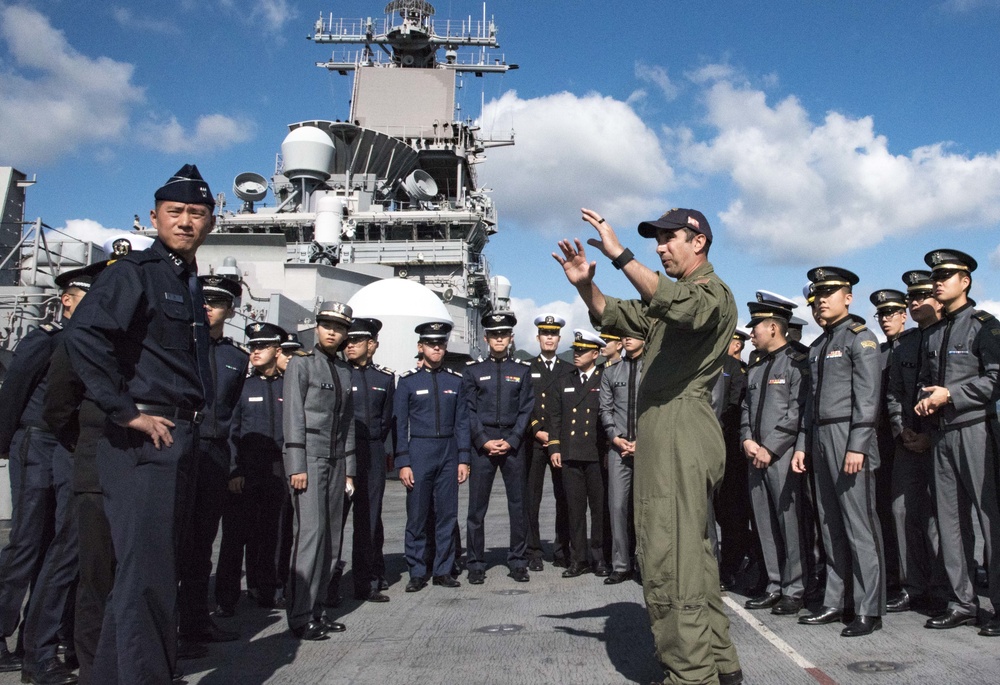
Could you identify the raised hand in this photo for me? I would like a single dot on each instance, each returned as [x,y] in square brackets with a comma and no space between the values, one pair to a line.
[574,262]
[608,244]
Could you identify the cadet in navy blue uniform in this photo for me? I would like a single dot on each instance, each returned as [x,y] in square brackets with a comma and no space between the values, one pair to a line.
[40,474]
[229,368]
[257,490]
[500,397]
[140,345]
[546,370]
[373,388]
[432,454]
[577,447]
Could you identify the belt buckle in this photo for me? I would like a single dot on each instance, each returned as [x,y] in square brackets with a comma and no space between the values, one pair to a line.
[197,417]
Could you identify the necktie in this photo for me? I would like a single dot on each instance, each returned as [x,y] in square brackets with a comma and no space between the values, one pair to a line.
[548,365]
[630,414]
[201,343]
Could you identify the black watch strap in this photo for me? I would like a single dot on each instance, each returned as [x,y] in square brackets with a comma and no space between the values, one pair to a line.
[621,260]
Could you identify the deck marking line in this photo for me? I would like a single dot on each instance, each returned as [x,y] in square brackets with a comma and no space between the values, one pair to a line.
[782,646]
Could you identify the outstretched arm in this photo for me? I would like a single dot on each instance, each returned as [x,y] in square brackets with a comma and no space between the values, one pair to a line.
[640,276]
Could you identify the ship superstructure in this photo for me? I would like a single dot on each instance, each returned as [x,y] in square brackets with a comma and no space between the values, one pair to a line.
[389,192]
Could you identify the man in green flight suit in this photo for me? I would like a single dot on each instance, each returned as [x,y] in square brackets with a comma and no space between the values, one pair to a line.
[687,324]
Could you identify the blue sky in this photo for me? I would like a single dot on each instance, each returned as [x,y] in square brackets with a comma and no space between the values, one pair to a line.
[856,134]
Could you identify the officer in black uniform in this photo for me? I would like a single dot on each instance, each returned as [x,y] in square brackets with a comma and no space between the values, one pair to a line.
[373,388]
[921,569]
[41,478]
[546,370]
[141,346]
[256,486]
[229,369]
[578,451]
[433,444]
[500,398]
[890,313]
[959,372]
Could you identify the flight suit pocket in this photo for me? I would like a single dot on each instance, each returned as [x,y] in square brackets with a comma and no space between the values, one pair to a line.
[655,544]
[175,326]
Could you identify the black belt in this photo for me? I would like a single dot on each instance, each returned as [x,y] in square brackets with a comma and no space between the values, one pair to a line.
[168,412]
[432,437]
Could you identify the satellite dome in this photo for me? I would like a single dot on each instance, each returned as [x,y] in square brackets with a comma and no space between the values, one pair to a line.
[307,152]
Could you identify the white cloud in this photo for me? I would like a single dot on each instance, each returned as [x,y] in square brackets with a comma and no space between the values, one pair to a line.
[211,132]
[126,19]
[991,306]
[274,14]
[526,310]
[85,230]
[572,152]
[657,76]
[56,99]
[808,190]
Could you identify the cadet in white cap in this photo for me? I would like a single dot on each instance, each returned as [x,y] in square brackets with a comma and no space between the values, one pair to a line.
[319,461]
[546,369]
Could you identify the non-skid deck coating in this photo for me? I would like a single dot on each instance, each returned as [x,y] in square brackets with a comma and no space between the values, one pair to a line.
[555,630]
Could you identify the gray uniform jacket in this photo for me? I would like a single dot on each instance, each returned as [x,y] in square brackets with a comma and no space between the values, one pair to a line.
[845,369]
[901,391]
[777,387]
[318,412]
[619,398]
[962,353]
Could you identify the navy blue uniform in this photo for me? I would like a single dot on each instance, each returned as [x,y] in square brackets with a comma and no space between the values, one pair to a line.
[432,422]
[374,389]
[229,367]
[251,518]
[136,343]
[500,398]
[26,438]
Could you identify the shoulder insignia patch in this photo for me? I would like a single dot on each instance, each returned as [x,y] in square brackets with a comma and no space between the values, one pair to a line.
[983,315]
[857,328]
[384,369]
[453,372]
[51,328]
[409,372]
[522,362]
[869,345]
[471,362]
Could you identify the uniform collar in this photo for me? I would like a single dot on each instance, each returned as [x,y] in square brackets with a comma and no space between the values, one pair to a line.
[700,272]
[175,261]
[504,358]
[837,324]
[954,315]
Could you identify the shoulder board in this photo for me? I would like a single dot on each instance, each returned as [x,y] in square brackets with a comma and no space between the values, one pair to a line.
[410,372]
[240,346]
[471,362]
[522,362]
[453,372]
[608,365]
[51,328]
[797,356]
[857,328]
[384,369]
[983,316]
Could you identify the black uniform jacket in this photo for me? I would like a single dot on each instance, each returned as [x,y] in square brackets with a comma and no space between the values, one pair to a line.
[23,391]
[500,398]
[576,419]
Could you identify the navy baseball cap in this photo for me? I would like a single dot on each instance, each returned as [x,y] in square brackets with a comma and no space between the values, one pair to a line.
[677,218]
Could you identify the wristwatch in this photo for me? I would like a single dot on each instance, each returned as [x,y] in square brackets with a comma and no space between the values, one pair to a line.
[624,258]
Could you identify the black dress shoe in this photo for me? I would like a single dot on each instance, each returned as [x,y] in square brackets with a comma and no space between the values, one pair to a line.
[992,628]
[536,564]
[9,663]
[191,650]
[224,611]
[788,606]
[71,661]
[311,631]
[862,625]
[764,601]
[52,672]
[330,625]
[416,584]
[210,633]
[476,577]
[520,575]
[446,581]
[617,577]
[559,562]
[731,678]
[602,570]
[377,597]
[950,619]
[575,570]
[899,603]
[822,617]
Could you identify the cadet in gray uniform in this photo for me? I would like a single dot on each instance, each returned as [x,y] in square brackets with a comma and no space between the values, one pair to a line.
[839,433]
[777,385]
[319,461]
[959,369]
[619,414]
[921,570]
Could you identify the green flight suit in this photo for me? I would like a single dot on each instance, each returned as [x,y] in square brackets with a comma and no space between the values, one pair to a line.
[687,326]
